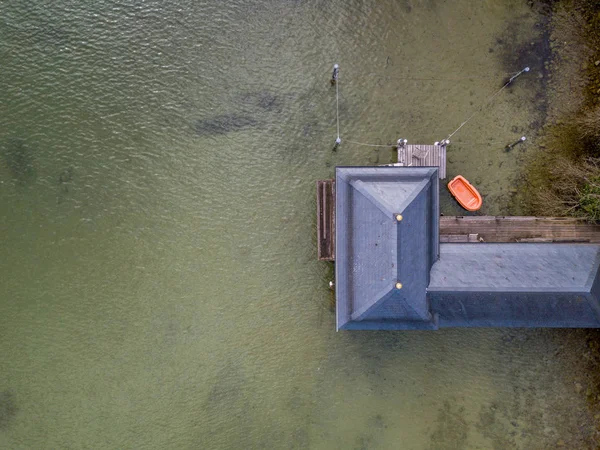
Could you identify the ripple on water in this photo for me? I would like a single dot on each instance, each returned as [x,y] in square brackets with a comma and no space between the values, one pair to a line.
[183,140]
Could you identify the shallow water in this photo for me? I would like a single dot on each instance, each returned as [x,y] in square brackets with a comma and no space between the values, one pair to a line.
[160,287]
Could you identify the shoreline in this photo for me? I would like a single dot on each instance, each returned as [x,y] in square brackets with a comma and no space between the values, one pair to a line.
[573,91]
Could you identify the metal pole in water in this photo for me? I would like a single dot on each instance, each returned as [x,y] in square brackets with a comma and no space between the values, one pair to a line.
[526,69]
[509,147]
[338,141]
[334,78]
[334,75]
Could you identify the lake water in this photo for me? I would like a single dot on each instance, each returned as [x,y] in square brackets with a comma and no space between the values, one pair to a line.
[159,285]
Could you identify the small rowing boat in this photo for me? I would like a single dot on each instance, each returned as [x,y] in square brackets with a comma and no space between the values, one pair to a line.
[465,193]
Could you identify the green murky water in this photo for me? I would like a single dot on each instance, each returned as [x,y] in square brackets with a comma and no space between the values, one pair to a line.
[159,285]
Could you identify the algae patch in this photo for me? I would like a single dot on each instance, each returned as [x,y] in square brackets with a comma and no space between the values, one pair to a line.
[8,409]
[19,159]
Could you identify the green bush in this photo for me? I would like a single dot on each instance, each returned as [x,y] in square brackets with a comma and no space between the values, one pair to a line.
[589,201]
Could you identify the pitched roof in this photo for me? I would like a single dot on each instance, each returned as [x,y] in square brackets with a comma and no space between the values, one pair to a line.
[387,232]
[544,285]
[516,267]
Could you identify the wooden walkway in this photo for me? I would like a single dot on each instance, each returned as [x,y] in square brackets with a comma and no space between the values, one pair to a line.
[417,155]
[517,229]
[326,220]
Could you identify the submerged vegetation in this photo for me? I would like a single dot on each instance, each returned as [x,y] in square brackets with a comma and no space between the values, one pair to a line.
[8,409]
[19,160]
[565,176]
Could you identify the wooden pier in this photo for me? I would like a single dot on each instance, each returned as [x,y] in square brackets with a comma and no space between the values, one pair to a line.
[466,228]
[420,155]
[326,220]
[517,229]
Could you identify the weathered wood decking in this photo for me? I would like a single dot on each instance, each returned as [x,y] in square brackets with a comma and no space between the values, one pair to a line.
[457,238]
[519,229]
[416,155]
[326,220]
[466,228]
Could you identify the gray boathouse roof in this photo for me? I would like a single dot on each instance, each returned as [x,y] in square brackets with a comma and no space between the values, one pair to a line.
[392,273]
[387,239]
[519,285]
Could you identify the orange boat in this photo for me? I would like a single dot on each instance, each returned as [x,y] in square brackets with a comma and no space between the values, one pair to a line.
[465,193]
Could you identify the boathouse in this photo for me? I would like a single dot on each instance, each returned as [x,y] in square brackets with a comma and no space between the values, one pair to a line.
[393,273]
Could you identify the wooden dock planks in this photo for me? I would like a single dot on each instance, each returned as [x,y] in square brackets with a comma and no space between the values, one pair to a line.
[326,220]
[520,228]
[459,238]
[420,155]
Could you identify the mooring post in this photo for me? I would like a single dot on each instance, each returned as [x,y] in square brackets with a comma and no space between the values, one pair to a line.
[400,143]
[526,69]
[336,72]
[338,141]
[509,147]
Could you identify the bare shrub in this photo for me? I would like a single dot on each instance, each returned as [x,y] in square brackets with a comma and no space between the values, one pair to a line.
[589,124]
[574,189]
